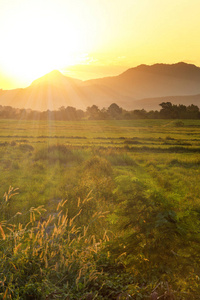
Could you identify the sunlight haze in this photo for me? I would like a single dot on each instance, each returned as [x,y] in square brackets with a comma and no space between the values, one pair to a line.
[93,38]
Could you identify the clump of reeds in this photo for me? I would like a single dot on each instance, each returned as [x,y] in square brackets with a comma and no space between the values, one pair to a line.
[48,256]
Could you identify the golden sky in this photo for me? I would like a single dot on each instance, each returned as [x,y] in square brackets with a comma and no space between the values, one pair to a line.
[93,38]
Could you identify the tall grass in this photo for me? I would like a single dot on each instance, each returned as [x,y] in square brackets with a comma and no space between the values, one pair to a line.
[46,258]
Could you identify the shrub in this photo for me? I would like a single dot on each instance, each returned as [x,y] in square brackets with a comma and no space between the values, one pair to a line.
[98,166]
[179,124]
[26,147]
[57,153]
[13,143]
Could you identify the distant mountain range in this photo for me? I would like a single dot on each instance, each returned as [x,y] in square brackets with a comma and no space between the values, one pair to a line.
[140,87]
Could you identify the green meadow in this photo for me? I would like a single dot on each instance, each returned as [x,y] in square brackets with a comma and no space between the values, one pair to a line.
[101,210]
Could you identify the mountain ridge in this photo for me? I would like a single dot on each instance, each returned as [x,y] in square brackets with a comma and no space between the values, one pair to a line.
[128,89]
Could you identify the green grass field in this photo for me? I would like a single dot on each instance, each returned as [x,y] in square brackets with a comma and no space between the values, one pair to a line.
[159,148]
[142,175]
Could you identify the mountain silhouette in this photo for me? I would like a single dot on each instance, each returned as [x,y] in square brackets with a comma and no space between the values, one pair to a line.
[55,78]
[158,80]
[54,90]
[140,87]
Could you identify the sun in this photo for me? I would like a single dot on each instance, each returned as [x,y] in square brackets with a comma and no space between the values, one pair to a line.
[39,41]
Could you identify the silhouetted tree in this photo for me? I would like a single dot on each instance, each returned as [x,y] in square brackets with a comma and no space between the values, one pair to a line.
[93,112]
[139,114]
[193,111]
[114,111]
[168,110]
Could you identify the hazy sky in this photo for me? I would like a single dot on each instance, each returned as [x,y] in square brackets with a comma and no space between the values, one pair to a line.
[93,38]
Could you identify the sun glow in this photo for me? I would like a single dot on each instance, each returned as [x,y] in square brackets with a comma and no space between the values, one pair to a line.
[38,41]
[38,36]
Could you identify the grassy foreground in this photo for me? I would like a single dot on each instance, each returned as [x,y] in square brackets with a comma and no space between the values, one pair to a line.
[104,209]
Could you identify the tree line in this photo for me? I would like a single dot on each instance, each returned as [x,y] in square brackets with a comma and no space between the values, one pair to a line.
[113,112]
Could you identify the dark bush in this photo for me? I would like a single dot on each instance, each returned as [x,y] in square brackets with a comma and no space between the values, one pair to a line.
[179,124]
[26,147]
[57,153]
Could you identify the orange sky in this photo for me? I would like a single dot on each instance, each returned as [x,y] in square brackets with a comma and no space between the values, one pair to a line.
[93,38]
